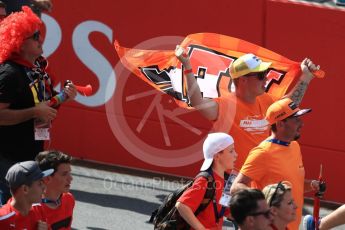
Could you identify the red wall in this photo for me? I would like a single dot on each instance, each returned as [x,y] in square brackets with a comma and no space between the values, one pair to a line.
[88,129]
[317,33]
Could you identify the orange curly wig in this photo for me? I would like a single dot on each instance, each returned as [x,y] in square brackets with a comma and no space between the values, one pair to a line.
[14,29]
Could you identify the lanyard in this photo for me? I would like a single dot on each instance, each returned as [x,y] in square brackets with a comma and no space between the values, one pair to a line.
[279,142]
[56,202]
[217,214]
[39,88]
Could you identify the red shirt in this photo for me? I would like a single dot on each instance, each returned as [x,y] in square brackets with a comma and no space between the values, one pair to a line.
[10,218]
[193,196]
[61,217]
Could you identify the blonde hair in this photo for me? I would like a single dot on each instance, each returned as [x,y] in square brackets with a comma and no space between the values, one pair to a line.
[274,193]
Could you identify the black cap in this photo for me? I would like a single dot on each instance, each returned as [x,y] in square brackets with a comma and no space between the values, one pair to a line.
[25,173]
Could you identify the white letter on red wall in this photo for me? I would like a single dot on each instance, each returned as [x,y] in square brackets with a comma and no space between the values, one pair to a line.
[94,61]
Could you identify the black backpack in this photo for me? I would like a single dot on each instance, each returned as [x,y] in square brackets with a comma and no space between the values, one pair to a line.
[167,217]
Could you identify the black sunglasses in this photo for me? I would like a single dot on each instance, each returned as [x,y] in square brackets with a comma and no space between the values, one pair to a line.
[35,36]
[266,214]
[279,186]
[260,75]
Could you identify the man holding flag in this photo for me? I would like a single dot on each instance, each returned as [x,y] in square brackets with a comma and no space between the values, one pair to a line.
[202,79]
[242,113]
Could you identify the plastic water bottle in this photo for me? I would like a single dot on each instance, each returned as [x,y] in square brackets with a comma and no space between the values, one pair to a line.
[226,197]
[60,97]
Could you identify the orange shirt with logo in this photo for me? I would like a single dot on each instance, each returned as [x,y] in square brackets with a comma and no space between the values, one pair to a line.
[244,122]
[270,163]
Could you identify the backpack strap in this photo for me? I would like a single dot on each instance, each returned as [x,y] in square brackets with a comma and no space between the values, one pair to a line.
[210,195]
[153,215]
[210,190]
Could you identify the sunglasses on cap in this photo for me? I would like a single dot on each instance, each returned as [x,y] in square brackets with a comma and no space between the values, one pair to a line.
[259,75]
[35,36]
[280,186]
[266,214]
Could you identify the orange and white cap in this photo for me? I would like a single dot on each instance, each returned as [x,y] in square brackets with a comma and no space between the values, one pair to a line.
[282,109]
[248,63]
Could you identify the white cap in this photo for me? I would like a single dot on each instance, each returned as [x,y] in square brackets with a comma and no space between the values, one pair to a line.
[214,143]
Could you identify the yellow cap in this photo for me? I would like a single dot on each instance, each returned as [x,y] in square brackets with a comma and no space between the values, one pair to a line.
[248,63]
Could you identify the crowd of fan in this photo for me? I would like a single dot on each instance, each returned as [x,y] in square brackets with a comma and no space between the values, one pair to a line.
[267,193]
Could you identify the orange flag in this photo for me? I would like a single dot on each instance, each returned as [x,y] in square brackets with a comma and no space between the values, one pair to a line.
[210,55]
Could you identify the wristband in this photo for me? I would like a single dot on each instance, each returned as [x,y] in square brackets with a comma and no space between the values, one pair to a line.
[187,71]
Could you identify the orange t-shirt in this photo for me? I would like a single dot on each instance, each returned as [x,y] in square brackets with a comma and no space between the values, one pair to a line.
[244,122]
[270,163]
